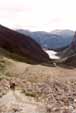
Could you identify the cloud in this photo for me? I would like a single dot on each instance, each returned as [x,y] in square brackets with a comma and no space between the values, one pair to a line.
[38,14]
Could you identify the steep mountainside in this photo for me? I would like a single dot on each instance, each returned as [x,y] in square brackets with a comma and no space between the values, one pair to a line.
[21,45]
[69,54]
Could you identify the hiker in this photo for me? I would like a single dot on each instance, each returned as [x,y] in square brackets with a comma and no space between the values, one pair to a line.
[12,85]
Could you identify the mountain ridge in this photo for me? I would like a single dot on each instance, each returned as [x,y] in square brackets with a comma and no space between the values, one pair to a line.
[50,40]
[22,45]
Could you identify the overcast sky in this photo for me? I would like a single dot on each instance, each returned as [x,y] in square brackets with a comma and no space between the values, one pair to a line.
[39,15]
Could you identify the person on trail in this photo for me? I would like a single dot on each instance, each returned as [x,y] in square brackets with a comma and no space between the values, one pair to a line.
[12,85]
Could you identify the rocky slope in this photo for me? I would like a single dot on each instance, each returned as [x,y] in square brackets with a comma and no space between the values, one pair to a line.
[40,88]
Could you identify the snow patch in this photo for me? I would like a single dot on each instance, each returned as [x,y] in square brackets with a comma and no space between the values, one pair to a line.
[52,54]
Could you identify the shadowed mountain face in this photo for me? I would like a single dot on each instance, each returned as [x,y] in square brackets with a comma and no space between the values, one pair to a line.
[68,55]
[21,45]
[73,44]
[71,50]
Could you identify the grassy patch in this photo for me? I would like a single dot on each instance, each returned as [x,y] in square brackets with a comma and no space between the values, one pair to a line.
[28,93]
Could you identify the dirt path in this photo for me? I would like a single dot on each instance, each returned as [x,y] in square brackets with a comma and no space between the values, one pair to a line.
[16,102]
